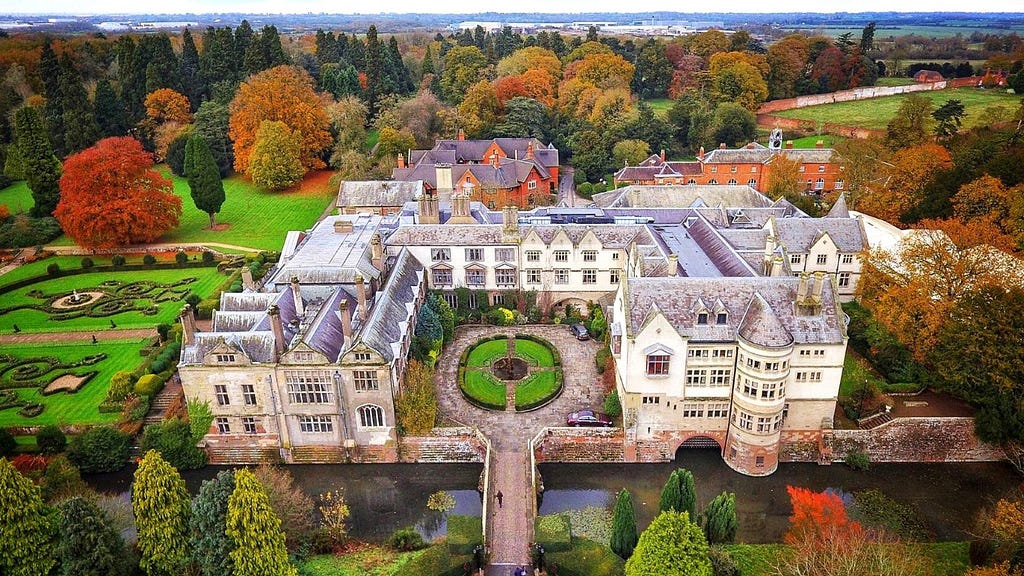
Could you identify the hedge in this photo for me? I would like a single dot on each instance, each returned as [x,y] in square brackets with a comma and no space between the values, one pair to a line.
[149,385]
[477,394]
[437,560]
[552,532]
[526,392]
[108,268]
[464,533]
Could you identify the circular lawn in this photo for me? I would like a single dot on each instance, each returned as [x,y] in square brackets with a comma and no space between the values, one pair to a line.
[484,374]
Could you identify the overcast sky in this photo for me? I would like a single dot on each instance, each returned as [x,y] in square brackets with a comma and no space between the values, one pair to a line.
[464,6]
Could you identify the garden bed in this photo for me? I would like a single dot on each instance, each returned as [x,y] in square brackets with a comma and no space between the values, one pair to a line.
[484,364]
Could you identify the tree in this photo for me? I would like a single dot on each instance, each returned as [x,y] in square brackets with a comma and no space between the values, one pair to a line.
[255,530]
[733,125]
[172,439]
[624,537]
[111,196]
[275,161]
[949,117]
[787,61]
[670,493]
[907,177]
[289,503]
[42,169]
[910,124]
[51,440]
[212,122]
[738,80]
[108,110]
[630,152]
[653,71]
[671,546]
[524,118]
[27,528]
[203,177]
[784,180]
[720,519]
[77,121]
[99,449]
[162,509]
[191,75]
[687,493]
[479,109]
[211,545]
[416,406]
[89,545]
[284,94]
[462,66]
[166,105]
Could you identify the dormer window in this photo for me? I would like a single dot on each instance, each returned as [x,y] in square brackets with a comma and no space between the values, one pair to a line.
[225,358]
[702,318]
[721,318]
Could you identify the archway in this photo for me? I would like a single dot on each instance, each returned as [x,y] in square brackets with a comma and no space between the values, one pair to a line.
[697,443]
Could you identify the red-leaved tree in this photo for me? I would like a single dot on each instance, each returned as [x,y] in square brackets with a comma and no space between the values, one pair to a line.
[110,196]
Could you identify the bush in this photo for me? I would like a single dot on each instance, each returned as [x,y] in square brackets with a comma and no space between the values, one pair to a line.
[553,533]
[100,449]
[857,460]
[611,406]
[601,359]
[173,440]
[117,260]
[51,440]
[149,385]
[436,560]
[208,257]
[7,443]
[157,366]
[22,231]
[586,558]
[406,540]
[87,263]
[149,260]
[464,533]
[721,563]
[53,269]
[62,480]
[181,258]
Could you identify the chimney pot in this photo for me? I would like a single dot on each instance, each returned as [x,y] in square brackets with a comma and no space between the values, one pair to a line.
[700,153]
[361,295]
[346,320]
[188,325]
[819,144]
[789,144]
[721,145]
[462,134]
[297,296]
[277,328]
[673,265]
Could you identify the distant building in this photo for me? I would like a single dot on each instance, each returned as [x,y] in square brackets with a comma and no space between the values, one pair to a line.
[925,76]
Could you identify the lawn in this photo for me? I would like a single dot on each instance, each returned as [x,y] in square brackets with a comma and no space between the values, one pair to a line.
[255,218]
[17,197]
[537,353]
[370,561]
[38,268]
[857,370]
[535,388]
[169,304]
[660,106]
[895,81]
[483,353]
[481,386]
[79,407]
[948,558]
[875,113]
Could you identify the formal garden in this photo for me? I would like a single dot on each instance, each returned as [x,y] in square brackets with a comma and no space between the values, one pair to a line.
[531,364]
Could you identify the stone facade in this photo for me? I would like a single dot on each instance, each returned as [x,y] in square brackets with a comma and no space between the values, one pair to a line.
[949,439]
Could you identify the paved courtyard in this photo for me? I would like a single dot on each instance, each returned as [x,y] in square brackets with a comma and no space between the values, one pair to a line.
[510,526]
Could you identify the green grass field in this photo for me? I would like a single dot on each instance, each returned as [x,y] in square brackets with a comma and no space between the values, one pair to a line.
[370,561]
[17,197]
[79,407]
[947,558]
[38,268]
[535,388]
[660,106]
[895,81]
[876,112]
[31,320]
[857,370]
[484,388]
[484,354]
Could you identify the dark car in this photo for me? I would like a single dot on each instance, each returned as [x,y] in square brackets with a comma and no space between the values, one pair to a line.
[588,418]
[579,331]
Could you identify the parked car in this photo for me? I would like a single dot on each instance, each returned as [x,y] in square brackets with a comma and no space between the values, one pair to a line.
[588,418]
[580,332]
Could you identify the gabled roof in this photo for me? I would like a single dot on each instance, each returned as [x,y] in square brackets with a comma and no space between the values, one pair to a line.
[680,196]
[761,326]
[392,311]
[839,209]
[378,192]
[799,234]
[258,346]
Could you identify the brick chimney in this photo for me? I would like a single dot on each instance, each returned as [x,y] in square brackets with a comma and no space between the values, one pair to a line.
[819,144]
[496,161]
[361,296]
[662,155]
[401,161]
[346,320]
[529,150]
[275,326]
[700,153]
[789,144]
[462,134]
[721,145]
[376,252]
[802,289]
[247,281]
[297,297]
[820,279]
[776,266]
[673,265]
[188,325]
[427,205]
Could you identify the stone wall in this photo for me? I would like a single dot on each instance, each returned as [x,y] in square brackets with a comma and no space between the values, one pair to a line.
[443,445]
[949,439]
[662,447]
[862,93]
[580,445]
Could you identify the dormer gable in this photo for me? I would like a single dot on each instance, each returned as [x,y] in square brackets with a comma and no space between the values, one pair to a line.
[303,353]
[226,354]
[362,355]
[701,312]
[719,313]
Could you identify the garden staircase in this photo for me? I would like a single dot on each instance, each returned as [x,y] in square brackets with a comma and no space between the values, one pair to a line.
[875,421]
[169,396]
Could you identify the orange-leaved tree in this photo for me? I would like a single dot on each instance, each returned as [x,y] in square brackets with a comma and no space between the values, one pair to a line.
[110,196]
[166,105]
[282,94]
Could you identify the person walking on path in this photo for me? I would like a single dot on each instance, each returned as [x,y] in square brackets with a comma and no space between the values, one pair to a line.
[499,496]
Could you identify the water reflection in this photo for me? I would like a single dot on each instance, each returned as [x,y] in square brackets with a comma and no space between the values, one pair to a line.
[946,496]
[381,497]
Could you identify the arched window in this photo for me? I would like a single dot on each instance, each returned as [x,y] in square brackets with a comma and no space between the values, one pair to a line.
[819,184]
[371,416]
[752,183]
[692,181]
[732,181]
[712,182]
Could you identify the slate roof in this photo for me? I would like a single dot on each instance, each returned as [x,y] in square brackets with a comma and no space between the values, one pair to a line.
[391,314]
[329,257]
[611,236]
[247,301]
[508,174]
[378,192]
[767,322]
[799,234]
[762,155]
[680,196]
[257,345]
[839,209]
[701,251]
[325,333]
[235,321]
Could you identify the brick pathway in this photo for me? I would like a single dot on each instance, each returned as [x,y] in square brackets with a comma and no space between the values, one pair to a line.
[510,528]
[78,336]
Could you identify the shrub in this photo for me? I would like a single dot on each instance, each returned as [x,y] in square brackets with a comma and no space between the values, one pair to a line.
[857,460]
[51,440]
[158,366]
[87,263]
[464,533]
[149,385]
[120,386]
[208,257]
[721,563]
[173,440]
[181,258]
[611,406]
[117,260]
[193,300]
[720,519]
[436,560]
[601,359]
[405,540]
[100,449]
[163,330]
[586,558]
[553,533]
[53,269]
[149,260]
[62,480]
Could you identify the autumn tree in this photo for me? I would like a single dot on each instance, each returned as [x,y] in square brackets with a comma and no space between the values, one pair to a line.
[111,196]
[89,544]
[255,530]
[908,175]
[784,178]
[739,77]
[624,536]
[672,545]
[27,528]
[787,61]
[462,66]
[348,117]
[282,94]
[41,167]
[275,159]
[910,125]
[289,504]
[162,510]
[203,178]
[211,545]
[479,109]
[166,105]
[416,406]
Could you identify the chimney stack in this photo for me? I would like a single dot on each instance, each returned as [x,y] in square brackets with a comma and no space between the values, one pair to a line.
[361,295]
[529,150]
[510,218]
[462,134]
[662,156]
[443,178]
[496,161]
[777,266]
[700,153]
[789,144]
[376,252]
[428,209]
[297,297]
[401,161]
[721,145]
[247,281]
[802,289]
[275,326]
[820,279]
[343,226]
[188,326]
[460,206]
[819,144]
[346,320]
[673,265]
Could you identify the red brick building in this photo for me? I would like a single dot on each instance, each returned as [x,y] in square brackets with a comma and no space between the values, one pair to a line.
[520,172]
[750,165]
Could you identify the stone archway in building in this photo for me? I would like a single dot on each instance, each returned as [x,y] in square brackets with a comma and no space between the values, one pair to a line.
[697,443]
[558,308]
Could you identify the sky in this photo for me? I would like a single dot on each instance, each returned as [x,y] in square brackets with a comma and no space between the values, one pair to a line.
[465,6]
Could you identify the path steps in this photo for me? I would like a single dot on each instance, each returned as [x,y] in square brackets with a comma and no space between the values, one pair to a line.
[171,394]
[876,421]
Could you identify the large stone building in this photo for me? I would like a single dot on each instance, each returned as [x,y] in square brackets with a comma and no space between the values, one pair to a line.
[720,334]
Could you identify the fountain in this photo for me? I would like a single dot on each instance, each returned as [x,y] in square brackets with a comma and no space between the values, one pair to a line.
[510,367]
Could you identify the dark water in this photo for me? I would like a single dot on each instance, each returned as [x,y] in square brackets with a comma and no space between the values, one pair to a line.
[381,497]
[945,496]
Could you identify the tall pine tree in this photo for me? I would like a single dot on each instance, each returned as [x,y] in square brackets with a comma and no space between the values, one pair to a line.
[131,68]
[162,67]
[244,37]
[108,110]
[191,78]
[162,510]
[53,111]
[212,122]
[624,535]
[211,545]
[256,530]
[375,70]
[42,169]
[203,177]
[80,130]
[89,545]
[218,64]
[26,528]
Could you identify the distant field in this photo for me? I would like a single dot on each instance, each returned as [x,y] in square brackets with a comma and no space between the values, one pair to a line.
[660,105]
[17,197]
[876,112]
[928,31]
[894,82]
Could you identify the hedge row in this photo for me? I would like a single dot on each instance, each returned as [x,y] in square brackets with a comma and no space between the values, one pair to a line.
[107,268]
[474,400]
[437,560]
[527,406]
